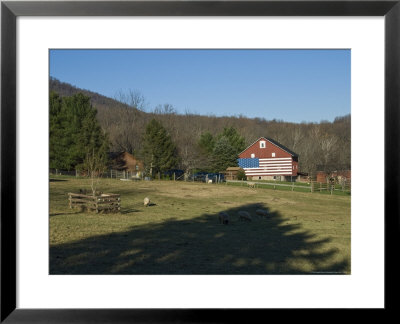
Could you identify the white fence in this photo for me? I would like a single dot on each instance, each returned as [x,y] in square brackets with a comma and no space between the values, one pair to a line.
[312,187]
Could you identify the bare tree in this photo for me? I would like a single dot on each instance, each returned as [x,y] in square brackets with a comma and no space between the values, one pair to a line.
[95,165]
[165,109]
[132,98]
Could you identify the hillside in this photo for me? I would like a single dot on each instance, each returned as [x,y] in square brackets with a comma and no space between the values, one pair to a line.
[317,144]
[98,100]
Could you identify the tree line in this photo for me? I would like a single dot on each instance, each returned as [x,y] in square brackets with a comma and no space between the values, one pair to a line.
[209,143]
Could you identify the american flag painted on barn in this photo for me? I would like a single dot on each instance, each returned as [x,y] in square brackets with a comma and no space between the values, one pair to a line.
[266,166]
[249,163]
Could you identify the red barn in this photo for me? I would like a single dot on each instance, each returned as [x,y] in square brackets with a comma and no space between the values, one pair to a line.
[125,161]
[267,159]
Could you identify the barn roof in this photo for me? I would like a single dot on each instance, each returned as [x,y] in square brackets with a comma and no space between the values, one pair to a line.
[233,168]
[275,143]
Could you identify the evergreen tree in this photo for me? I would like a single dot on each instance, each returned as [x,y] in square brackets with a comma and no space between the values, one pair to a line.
[77,111]
[74,132]
[56,149]
[223,150]
[205,147]
[224,154]
[235,139]
[207,143]
[159,152]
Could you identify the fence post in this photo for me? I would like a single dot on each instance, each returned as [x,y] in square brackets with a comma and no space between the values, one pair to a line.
[174,176]
[96,204]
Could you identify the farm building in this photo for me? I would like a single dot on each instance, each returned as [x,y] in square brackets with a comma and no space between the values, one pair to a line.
[303,177]
[124,161]
[266,159]
[231,173]
[339,176]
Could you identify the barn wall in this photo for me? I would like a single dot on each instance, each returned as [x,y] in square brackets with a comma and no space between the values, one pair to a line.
[258,168]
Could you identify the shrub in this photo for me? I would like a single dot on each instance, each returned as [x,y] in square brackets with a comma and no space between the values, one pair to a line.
[241,175]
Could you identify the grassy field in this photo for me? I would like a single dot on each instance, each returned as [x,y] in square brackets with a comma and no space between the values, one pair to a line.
[297,186]
[180,234]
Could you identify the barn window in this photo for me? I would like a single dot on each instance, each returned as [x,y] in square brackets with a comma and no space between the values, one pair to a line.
[262,144]
[273,154]
[253,155]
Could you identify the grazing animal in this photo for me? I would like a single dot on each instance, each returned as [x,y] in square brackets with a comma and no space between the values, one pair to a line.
[146,201]
[251,185]
[209,181]
[244,216]
[262,212]
[223,218]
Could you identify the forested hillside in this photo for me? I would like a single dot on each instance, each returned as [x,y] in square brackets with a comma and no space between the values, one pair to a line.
[324,145]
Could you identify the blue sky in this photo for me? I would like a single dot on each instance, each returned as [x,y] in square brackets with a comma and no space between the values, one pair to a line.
[289,85]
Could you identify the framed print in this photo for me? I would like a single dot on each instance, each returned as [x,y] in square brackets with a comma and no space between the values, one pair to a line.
[38,285]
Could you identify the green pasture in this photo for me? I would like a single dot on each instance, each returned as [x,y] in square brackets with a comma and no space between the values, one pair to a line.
[292,186]
[179,233]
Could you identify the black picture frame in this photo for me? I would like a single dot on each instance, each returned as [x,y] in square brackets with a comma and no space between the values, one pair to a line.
[10,10]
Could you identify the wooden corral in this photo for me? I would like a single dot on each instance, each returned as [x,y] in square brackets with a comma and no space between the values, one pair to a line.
[103,202]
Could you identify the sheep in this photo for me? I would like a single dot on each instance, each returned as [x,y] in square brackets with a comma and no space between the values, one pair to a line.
[209,181]
[251,185]
[244,215]
[262,212]
[146,201]
[223,218]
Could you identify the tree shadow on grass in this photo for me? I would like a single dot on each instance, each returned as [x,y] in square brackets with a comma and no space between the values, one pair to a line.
[129,210]
[201,245]
[63,213]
